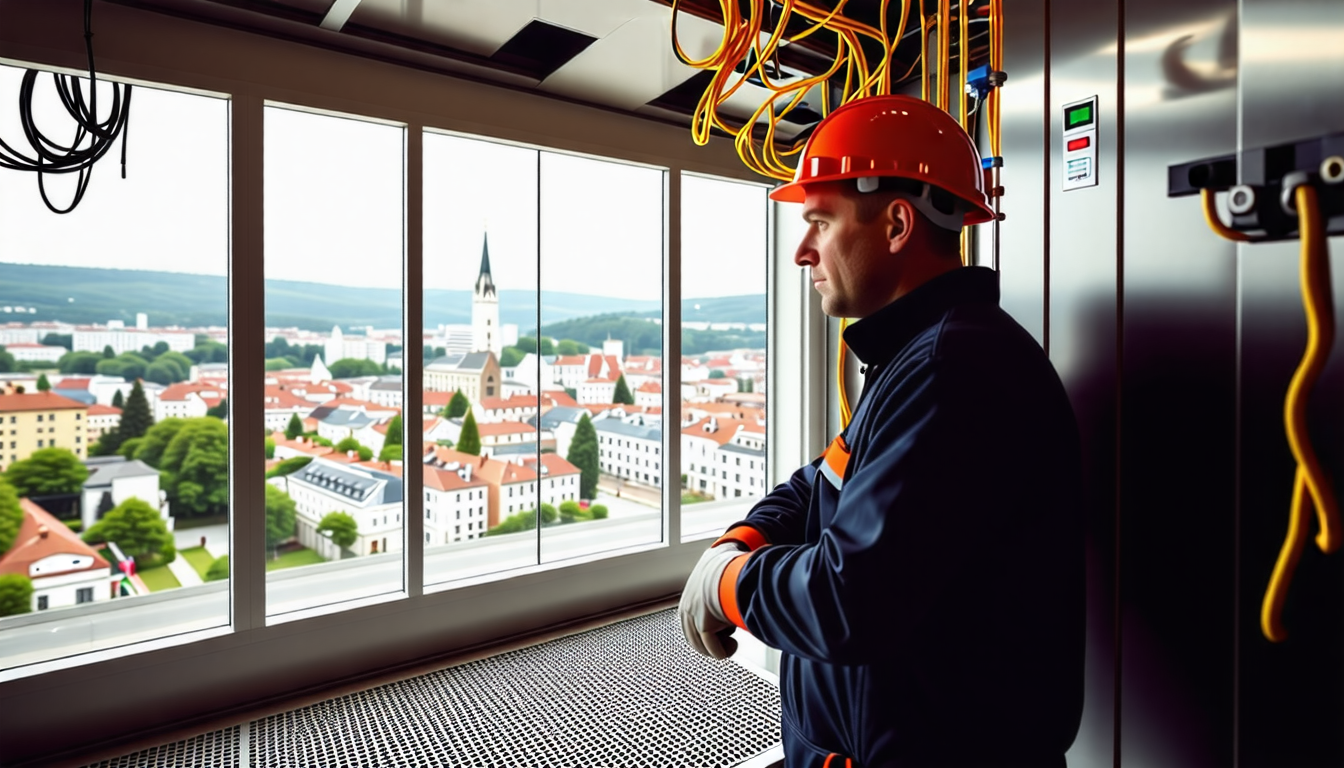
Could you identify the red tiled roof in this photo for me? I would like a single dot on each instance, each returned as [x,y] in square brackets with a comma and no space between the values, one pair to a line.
[74,383]
[383,466]
[448,479]
[98,409]
[301,444]
[38,401]
[493,471]
[650,386]
[41,535]
[555,465]
[504,428]
[561,398]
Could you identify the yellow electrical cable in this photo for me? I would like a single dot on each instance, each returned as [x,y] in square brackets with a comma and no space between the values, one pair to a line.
[840,385]
[924,52]
[1310,486]
[1215,223]
[963,57]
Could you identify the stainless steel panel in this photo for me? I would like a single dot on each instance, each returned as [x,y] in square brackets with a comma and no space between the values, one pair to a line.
[1022,246]
[1083,302]
[1177,415]
[1291,700]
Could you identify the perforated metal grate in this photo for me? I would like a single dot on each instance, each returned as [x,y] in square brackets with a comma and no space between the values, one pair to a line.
[628,694]
[217,749]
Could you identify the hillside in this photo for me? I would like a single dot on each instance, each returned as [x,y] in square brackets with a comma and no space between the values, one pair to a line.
[90,295]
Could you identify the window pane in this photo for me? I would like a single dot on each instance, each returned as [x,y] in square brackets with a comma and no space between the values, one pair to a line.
[724,247]
[601,281]
[122,490]
[334,244]
[481,388]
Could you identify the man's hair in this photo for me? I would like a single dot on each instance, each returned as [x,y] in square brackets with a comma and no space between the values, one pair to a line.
[869,205]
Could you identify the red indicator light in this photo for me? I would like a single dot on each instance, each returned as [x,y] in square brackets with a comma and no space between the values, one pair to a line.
[1078,144]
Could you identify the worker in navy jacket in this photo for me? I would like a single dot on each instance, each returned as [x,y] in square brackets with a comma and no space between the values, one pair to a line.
[923,578]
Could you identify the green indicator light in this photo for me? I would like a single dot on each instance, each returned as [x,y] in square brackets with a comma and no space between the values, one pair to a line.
[1079,115]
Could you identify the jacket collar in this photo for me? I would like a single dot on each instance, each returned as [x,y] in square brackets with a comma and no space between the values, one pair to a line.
[876,339]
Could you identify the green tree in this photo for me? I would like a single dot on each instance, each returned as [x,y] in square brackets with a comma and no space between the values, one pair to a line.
[622,394]
[571,347]
[43,385]
[518,521]
[342,527]
[598,511]
[8,363]
[529,344]
[347,444]
[138,530]
[16,594]
[279,363]
[59,340]
[47,471]
[127,365]
[393,431]
[11,515]
[280,517]
[573,393]
[152,445]
[270,448]
[196,467]
[583,454]
[220,411]
[717,374]
[510,356]
[570,511]
[289,466]
[548,514]
[349,368]
[117,399]
[109,352]
[136,418]
[457,406]
[79,362]
[130,449]
[390,453]
[218,570]
[469,441]
[365,453]
[295,427]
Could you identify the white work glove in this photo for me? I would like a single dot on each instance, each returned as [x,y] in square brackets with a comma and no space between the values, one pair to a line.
[702,621]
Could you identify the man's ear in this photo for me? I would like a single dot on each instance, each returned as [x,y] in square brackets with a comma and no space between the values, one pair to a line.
[900,223]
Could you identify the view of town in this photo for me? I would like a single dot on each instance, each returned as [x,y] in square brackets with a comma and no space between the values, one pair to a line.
[114,458]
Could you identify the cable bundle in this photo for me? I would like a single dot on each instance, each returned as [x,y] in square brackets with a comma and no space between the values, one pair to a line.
[741,47]
[53,157]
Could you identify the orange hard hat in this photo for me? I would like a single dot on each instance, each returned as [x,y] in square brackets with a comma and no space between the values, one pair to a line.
[898,136]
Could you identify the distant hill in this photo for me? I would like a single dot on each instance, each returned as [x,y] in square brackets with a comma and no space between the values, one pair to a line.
[91,295]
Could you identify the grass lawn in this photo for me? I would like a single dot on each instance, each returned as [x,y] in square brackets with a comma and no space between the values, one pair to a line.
[691,497]
[200,559]
[159,578]
[296,558]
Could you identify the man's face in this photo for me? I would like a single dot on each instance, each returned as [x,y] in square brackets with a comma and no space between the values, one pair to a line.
[849,261]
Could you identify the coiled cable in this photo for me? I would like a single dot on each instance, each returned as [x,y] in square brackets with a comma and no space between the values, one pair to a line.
[49,155]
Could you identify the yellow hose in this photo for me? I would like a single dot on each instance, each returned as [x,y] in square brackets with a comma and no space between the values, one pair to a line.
[1215,223]
[1310,485]
[845,413]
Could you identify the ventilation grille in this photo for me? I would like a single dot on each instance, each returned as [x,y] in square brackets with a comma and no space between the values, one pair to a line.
[217,749]
[628,694]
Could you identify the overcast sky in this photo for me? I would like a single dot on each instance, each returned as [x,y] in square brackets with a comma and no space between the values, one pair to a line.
[334,206]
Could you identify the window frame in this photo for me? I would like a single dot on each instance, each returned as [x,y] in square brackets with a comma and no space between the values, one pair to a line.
[321,647]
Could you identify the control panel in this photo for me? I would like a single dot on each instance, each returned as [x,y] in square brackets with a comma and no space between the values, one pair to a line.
[1080,144]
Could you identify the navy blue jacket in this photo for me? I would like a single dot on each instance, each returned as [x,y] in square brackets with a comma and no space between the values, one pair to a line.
[924,579]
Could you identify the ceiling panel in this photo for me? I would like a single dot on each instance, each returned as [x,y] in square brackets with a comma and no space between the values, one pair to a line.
[479,27]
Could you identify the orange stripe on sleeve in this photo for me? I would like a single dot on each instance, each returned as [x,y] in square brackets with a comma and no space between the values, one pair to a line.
[728,589]
[745,535]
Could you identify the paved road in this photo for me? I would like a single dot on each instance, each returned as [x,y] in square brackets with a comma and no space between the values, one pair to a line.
[53,634]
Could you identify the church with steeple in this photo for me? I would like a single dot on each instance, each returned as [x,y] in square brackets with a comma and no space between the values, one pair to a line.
[486,333]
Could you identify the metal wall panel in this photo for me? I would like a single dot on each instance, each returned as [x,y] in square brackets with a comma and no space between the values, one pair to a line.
[1083,303]
[1022,244]
[1177,397]
[1291,694]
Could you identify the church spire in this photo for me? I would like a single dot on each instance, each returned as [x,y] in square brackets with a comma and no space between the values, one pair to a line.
[485,282]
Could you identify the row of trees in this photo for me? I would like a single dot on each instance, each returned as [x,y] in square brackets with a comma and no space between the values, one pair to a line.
[155,363]
[569,512]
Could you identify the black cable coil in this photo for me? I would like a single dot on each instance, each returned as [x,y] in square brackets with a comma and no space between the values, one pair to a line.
[54,157]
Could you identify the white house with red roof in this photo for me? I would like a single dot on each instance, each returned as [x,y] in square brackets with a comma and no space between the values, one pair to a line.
[630,448]
[650,393]
[724,456]
[299,446]
[513,488]
[457,503]
[281,404]
[558,478]
[101,420]
[597,391]
[64,570]
[497,409]
[187,400]
[641,369]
